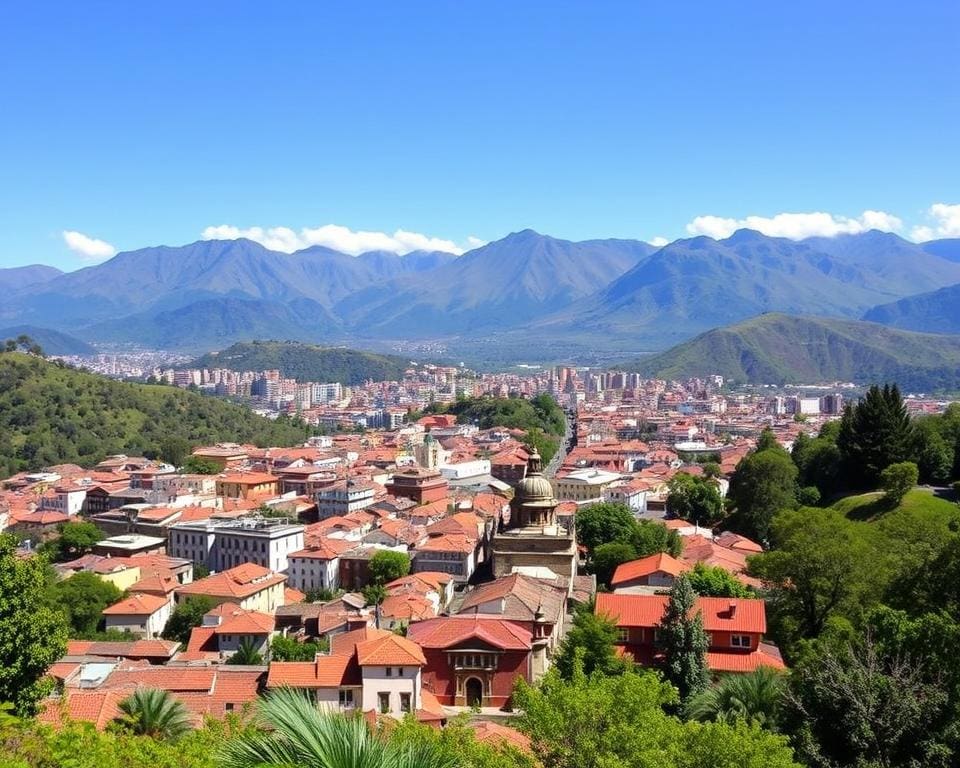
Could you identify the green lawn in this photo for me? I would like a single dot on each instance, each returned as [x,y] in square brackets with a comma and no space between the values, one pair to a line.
[868,506]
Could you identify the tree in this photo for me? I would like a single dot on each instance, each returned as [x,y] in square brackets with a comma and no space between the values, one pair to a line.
[387,565]
[247,654]
[590,643]
[694,498]
[713,581]
[934,455]
[174,450]
[600,721]
[603,523]
[74,540]
[684,641]
[82,598]
[32,635]
[808,496]
[821,565]
[196,465]
[764,484]
[767,441]
[457,741]
[755,697]
[374,594]
[154,713]
[650,537]
[303,735]
[186,616]
[607,557]
[321,595]
[897,480]
[875,433]
[856,705]
[283,648]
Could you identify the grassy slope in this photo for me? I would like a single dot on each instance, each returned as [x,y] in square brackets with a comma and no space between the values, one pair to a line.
[867,506]
[51,414]
[776,348]
[307,362]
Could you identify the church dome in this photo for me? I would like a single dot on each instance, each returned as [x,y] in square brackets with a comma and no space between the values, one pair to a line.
[534,488]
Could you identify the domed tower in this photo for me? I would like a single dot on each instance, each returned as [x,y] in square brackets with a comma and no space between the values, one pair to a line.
[533,542]
[533,502]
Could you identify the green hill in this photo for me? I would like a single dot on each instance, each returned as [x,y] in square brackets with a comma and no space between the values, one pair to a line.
[777,349]
[307,362]
[52,342]
[53,414]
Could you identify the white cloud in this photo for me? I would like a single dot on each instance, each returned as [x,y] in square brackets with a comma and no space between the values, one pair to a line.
[796,226]
[89,248]
[339,238]
[659,241]
[946,223]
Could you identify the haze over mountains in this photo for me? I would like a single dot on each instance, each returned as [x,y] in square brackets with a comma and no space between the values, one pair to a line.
[526,296]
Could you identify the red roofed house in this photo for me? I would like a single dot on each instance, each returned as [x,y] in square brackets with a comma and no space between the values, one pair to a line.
[368,668]
[735,627]
[659,570]
[419,485]
[473,660]
[249,585]
[143,615]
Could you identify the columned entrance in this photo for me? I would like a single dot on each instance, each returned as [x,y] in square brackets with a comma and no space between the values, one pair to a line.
[474,692]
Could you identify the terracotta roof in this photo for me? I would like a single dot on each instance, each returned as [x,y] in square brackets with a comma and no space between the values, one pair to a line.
[240,582]
[243,622]
[291,595]
[522,597]
[430,708]
[719,613]
[488,732]
[390,650]
[637,569]
[447,542]
[97,707]
[345,643]
[425,580]
[407,607]
[136,605]
[447,631]
[134,649]
[743,662]
[324,672]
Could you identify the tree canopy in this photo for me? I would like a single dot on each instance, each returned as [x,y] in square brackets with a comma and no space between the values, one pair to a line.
[186,616]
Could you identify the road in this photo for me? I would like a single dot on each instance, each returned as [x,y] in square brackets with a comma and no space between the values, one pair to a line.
[557,461]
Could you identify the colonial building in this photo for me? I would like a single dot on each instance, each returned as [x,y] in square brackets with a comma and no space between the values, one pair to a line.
[532,538]
[473,660]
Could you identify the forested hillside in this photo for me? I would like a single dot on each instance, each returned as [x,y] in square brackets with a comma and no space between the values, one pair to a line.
[53,414]
[307,362]
[541,417]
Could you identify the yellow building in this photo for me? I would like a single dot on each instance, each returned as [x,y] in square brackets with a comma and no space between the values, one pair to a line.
[250,586]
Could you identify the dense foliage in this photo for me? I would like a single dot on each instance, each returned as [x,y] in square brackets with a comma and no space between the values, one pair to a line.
[601,721]
[589,646]
[80,599]
[386,566]
[613,522]
[53,414]
[307,362]
[695,499]
[32,635]
[187,615]
[541,417]
[684,641]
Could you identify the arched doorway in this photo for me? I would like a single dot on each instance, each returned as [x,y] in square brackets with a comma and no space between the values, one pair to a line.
[474,689]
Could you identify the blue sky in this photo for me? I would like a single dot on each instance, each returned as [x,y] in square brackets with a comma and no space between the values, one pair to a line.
[138,124]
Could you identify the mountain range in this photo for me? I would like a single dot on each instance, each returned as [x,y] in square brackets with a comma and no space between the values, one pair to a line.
[775,349]
[526,296]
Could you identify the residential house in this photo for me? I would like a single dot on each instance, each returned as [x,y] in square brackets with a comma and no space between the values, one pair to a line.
[250,586]
[735,628]
[648,575]
[140,614]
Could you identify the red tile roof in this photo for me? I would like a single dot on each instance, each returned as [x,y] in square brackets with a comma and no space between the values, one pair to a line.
[447,631]
[324,672]
[719,613]
[136,605]
[638,569]
[391,650]
[240,582]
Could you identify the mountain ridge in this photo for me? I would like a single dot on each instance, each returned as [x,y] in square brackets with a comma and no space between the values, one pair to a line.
[777,348]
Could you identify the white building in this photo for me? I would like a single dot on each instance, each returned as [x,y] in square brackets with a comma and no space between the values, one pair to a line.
[223,544]
[140,614]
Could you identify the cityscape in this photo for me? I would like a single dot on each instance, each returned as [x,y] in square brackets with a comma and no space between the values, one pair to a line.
[516,385]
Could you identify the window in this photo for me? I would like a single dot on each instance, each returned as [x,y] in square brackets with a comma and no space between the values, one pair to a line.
[389,671]
[383,698]
[623,634]
[228,707]
[404,702]
[399,671]
[346,698]
[740,641]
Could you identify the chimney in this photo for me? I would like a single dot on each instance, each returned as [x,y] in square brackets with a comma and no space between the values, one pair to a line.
[732,608]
